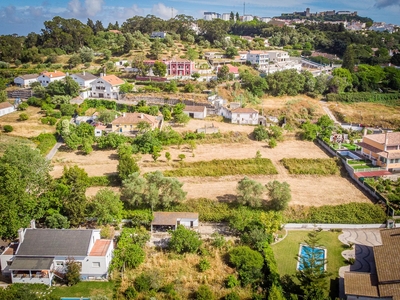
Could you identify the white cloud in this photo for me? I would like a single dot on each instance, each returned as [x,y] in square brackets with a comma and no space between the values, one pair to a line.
[164,12]
[88,8]
[75,7]
[93,7]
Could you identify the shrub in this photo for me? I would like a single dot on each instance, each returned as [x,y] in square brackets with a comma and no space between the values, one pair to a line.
[204,265]
[218,241]
[23,117]
[184,240]
[248,262]
[45,141]
[204,293]
[231,281]
[131,293]
[143,283]
[8,128]
[73,272]
[48,120]
[23,106]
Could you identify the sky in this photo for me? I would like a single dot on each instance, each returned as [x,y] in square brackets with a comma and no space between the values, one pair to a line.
[25,16]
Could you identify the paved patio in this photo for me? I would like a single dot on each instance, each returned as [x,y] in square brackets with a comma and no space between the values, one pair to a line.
[363,241]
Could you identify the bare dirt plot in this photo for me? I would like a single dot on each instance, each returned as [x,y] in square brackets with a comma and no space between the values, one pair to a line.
[29,128]
[306,190]
[97,163]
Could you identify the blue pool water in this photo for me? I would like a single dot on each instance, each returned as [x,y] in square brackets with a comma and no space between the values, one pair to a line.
[307,253]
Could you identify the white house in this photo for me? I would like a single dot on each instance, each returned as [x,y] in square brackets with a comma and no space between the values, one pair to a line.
[172,220]
[6,108]
[158,34]
[106,87]
[47,77]
[42,254]
[84,80]
[26,80]
[196,112]
[245,116]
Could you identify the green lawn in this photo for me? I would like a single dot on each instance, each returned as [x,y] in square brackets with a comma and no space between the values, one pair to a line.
[85,289]
[286,251]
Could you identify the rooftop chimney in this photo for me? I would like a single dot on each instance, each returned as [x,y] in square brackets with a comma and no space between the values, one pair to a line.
[21,234]
[33,224]
[141,116]
[124,114]
[386,140]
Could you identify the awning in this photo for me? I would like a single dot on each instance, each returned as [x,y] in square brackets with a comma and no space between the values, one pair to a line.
[31,263]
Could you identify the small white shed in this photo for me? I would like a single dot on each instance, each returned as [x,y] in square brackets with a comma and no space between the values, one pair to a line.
[171,220]
[196,112]
[6,108]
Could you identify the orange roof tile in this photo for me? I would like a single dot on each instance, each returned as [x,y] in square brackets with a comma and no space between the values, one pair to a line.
[5,105]
[54,74]
[134,118]
[113,80]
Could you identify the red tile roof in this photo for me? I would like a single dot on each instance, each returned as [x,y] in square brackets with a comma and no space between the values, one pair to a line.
[113,80]
[100,248]
[54,74]
[134,118]
[393,138]
[372,174]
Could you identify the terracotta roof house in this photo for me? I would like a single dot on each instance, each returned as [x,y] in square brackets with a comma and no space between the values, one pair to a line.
[196,112]
[41,254]
[171,220]
[385,282]
[382,149]
[128,122]
[106,87]
[26,80]
[47,77]
[6,108]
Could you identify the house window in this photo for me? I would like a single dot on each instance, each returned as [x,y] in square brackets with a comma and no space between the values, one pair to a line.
[96,264]
[59,263]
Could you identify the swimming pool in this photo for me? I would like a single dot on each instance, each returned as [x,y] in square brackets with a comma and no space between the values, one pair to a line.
[306,253]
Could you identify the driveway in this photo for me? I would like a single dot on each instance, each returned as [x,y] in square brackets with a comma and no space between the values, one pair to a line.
[363,241]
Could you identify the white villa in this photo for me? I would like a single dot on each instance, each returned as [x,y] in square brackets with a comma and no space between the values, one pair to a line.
[272,60]
[41,254]
[84,80]
[106,87]
[47,77]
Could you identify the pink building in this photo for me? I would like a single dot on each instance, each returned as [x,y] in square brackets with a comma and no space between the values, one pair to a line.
[180,67]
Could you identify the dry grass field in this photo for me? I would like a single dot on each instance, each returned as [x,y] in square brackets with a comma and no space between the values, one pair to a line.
[306,189]
[29,128]
[370,114]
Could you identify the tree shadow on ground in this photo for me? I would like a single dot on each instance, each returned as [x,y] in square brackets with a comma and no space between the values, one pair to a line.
[228,198]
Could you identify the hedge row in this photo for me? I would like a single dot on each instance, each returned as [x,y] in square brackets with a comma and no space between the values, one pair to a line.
[392,98]
[108,180]
[350,213]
